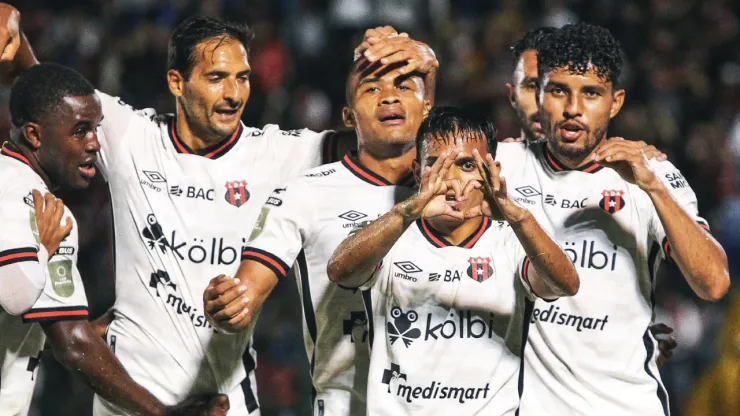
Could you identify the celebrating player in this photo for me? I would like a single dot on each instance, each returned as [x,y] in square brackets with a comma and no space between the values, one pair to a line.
[305,219]
[617,216]
[53,146]
[186,191]
[441,275]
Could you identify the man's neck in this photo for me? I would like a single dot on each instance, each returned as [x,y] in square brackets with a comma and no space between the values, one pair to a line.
[460,233]
[195,140]
[391,168]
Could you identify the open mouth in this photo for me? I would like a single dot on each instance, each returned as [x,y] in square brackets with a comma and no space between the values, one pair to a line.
[228,113]
[392,117]
[571,131]
[87,169]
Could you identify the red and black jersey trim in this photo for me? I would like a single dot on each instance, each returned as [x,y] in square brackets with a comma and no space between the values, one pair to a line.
[17,255]
[667,246]
[267,259]
[351,162]
[10,151]
[558,166]
[211,152]
[66,313]
[437,240]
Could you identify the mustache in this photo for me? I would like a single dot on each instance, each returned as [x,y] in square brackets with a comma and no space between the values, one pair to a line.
[573,121]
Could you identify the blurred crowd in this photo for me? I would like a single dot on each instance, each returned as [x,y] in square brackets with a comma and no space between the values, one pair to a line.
[683,95]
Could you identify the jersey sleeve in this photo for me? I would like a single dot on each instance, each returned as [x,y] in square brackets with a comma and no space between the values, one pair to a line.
[22,258]
[282,228]
[518,261]
[684,196]
[117,118]
[307,149]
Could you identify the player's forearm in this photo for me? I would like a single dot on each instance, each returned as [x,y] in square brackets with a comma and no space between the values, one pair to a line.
[80,350]
[259,282]
[23,60]
[555,275]
[699,256]
[355,260]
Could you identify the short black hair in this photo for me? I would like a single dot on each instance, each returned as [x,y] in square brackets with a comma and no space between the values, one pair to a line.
[444,122]
[529,41]
[191,32]
[41,88]
[575,46]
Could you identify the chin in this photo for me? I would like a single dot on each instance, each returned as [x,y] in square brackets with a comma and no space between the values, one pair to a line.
[445,222]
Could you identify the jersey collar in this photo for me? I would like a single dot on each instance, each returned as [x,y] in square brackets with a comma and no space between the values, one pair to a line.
[211,152]
[9,150]
[558,166]
[352,163]
[437,240]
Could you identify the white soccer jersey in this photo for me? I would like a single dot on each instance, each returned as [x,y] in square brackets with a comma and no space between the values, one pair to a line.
[63,296]
[301,224]
[182,218]
[592,353]
[439,318]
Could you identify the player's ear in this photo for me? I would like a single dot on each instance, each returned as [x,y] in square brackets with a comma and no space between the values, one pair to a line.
[348,117]
[32,134]
[617,103]
[427,109]
[511,94]
[416,169]
[176,82]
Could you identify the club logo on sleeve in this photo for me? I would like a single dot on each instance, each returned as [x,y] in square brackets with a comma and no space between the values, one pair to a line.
[260,225]
[34,227]
[236,193]
[357,322]
[401,326]
[60,273]
[612,201]
[480,268]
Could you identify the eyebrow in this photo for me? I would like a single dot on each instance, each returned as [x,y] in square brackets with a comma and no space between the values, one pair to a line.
[367,81]
[226,74]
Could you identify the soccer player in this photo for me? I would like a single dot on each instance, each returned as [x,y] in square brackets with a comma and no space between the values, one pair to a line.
[440,271]
[186,191]
[305,220]
[522,91]
[617,216]
[53,146]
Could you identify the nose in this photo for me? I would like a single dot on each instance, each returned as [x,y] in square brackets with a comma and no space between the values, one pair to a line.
[389,95]
[574,107]
[93,145]
[231,90]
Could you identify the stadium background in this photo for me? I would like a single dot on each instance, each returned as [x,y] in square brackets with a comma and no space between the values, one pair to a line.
[683,96]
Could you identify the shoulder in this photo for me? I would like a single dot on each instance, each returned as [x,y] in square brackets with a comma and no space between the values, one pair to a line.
[112,103]
[24,180]
[274,131]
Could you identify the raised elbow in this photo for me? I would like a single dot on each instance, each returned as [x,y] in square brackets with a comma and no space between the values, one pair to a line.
[334,271]
[718,290]
[572,283]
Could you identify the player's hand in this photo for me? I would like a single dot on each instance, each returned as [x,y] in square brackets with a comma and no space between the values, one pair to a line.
[414,56]
[10,33]
[496,203]
[375,35]
[201,405]
[630,160]
[431,200]
[666,345]
[226,304]
[49,212]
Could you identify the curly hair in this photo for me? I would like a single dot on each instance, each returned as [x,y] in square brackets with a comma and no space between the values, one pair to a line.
[575,46]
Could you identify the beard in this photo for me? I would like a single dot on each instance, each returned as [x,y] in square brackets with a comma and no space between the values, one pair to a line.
[572,151]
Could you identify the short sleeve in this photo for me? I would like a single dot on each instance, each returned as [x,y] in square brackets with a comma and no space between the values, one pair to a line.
[63,297]
[517,260]
[282,227]
[307,149]
[684,196]
[117,118]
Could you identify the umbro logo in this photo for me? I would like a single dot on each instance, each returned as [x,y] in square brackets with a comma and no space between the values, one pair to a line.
[528,191]
[352,215]
[407,267]
[154,176]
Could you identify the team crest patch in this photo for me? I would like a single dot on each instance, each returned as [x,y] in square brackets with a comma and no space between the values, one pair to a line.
[60,273]
[236,193]
[612,201]
[34,227]
[480,268]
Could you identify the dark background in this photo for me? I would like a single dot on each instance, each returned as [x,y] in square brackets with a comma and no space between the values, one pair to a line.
[682,79]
